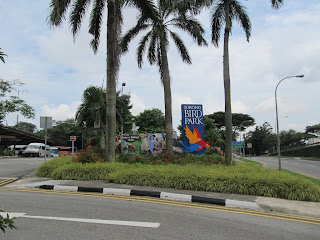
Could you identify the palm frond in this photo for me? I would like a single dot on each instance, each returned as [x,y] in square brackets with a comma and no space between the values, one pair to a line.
[58,9]
[239,13]
[2,54]
[217,21]
[96,20]
[133,32]
[276,4]
[181,47]
[152,49]
[141,48]
[160,65]
[78,11]
[192,27]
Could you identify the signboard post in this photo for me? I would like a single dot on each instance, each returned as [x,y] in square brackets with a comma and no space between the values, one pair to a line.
[73,139]
[45,122]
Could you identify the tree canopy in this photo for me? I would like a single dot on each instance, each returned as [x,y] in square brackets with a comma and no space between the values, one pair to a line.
[314,129]
[151,121]
[11,103]
[26,127]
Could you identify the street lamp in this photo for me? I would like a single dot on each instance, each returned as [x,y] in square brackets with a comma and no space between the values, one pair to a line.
[121,136]
[275,94]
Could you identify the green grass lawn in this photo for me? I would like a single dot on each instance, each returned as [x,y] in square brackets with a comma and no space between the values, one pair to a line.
[243,178]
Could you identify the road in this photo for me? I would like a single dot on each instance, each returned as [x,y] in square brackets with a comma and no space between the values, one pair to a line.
[307,167]
[17,167]
[94,216]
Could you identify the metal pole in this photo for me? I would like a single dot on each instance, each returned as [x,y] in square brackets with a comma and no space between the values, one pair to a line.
[277,119]
[45,140]
[121,134]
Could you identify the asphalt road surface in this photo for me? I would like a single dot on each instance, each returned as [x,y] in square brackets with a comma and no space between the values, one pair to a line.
[74,216]
[17,167]
[307,167]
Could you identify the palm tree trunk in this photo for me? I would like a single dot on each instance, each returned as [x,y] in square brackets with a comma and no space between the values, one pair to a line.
[112,68]
[167,100]
[227,89]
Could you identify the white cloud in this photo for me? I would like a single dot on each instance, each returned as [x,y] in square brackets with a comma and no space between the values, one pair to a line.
[60,112]
[138,104]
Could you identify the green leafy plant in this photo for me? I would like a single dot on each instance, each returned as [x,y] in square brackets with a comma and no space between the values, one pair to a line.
[90,155]
[6,222]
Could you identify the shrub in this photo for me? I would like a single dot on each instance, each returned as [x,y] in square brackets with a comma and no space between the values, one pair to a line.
[90,155]
[165,159]
[45,170]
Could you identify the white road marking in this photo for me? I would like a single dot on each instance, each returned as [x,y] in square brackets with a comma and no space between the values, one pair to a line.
[84,220]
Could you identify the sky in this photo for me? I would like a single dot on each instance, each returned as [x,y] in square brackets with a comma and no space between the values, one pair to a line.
[56,68]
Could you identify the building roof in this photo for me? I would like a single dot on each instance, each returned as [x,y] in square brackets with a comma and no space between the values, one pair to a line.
[11,136]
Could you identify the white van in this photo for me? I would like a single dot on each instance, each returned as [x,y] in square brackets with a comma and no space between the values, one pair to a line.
[37,150]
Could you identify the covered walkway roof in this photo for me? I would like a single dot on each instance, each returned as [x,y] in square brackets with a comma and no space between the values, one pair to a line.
[11,136]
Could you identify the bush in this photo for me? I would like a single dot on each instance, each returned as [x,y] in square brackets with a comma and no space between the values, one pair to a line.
[165,159]
[45,170]
[90,155]
[239,179]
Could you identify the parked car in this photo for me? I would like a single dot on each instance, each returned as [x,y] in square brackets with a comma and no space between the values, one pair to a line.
[22,151]
[37,150]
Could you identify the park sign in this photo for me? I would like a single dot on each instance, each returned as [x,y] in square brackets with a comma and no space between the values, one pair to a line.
[193,129]
[238,144]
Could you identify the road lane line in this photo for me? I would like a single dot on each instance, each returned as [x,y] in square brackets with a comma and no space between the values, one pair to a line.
[183,204]
[86,220]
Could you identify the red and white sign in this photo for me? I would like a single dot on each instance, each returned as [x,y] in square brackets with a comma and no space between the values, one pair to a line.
[73,138]
[249,145]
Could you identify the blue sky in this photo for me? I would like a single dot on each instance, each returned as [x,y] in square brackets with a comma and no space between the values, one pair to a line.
[56,69]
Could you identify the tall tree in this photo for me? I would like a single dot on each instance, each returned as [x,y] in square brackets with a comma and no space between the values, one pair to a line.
[166,15]
[262,139]
[223,13]
[58,9]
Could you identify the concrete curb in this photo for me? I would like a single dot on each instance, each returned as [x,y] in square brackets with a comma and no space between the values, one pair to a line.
[162,195]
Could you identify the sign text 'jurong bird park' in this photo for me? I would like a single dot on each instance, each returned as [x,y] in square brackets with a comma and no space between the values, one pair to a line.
[193,129]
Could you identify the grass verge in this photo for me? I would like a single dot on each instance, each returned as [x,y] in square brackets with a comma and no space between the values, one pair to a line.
[248,179]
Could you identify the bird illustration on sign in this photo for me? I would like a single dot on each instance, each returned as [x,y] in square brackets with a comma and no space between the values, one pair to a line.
[195,141]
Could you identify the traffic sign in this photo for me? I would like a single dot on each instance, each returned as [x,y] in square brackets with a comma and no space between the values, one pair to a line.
[249,145]
[73,138]
[238,144]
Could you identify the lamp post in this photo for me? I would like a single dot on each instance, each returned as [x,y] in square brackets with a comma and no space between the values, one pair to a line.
[121,136]
[275,94]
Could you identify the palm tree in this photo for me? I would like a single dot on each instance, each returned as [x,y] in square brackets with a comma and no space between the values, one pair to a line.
[223,13]
[166,15]
[58,9]
[234,11]
[92,111]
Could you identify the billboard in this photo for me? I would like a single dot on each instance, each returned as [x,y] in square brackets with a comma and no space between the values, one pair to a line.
[193,129]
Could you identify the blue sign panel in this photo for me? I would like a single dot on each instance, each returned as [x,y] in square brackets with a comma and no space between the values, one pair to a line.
[193,129]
